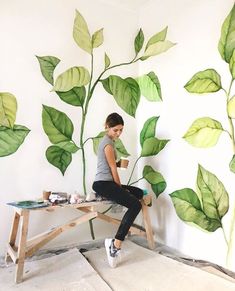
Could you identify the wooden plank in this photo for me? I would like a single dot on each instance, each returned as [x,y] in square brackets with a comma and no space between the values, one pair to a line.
[12,253]
[22,246]
[148,227]
[110,219]
[38,241]
[13,234]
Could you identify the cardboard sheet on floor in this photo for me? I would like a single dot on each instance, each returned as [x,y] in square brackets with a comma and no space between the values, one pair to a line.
[67,271]
[142,269]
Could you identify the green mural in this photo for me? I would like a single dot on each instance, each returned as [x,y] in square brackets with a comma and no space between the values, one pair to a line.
[207,206]
[11,134]
[76,87]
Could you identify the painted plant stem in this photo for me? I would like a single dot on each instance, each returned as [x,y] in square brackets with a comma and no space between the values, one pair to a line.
[230,242]
[128,183]
[136,181]
[231,232]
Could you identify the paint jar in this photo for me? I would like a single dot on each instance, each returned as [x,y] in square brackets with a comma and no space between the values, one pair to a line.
[147,198]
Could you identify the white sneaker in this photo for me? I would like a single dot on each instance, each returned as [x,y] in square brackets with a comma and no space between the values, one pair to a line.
[113,253]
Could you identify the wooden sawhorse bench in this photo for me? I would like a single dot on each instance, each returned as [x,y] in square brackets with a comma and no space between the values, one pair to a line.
[27,247]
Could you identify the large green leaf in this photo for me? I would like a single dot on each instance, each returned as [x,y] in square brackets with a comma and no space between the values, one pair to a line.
[152,146]
[11,139]
[148,129]
[160,36]
[204,132]
[215,201]
[56,125]
[157,48]
[106,61]
[75,96]
[231,107]
[58,158]
[47,66]
[158,183]
[207,81]
[232,164]
[232,65]
[139,41]
[126,92]
[68,146]
[120,149]
[188,208]
[97,38]
[8,108]
[81,33]
[227,41]
[96,141]
[150,87]
[73,77]
[118,144]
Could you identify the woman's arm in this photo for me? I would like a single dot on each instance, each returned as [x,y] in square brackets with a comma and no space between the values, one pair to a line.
[110,156]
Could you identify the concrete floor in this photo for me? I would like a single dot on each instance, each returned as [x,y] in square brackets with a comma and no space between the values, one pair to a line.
[85,267]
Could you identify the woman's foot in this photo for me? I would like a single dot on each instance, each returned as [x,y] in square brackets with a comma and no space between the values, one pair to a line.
[113,253]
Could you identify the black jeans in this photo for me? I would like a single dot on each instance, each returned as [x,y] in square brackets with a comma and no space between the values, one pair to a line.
[127,196]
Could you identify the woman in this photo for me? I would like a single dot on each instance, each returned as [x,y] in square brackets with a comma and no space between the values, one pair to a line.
[107,185]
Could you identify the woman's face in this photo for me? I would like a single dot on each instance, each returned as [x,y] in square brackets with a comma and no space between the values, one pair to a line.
[115,132]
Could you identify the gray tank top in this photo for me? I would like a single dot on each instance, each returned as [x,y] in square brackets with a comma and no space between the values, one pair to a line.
[103,170]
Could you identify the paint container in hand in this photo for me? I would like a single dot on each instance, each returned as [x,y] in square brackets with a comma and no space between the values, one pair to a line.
[147,198]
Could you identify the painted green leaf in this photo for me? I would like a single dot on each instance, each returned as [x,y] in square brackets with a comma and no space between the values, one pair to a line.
[160,36]
[8,108]
[73,77]
[158,183]
[11,139]
[150,87]
[106,61]
[157,48]
[148,129]
[227,41]
[231,107]
[215,201]
[204,132]
[188,208]
[58,158]
[126,92]
[96,141]
[97,38]
[81,33]
[232,65]
[139,41]
[120,148]
[75,96]
[232,164]
[47,66]
[56,124]
[152,146]
[68,146]
[207,81]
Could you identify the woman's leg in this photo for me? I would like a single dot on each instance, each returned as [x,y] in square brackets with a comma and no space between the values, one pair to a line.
[127,196]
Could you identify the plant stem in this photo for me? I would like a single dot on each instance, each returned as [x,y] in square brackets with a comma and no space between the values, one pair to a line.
[231,233]
[128,183]
[83,153]
[230,242]
[229,118]
[136,181]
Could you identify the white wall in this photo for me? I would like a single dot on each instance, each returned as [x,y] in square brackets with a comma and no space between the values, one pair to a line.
[195,26]
[29,28]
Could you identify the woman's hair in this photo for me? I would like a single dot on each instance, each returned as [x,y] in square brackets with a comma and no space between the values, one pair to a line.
[114,119]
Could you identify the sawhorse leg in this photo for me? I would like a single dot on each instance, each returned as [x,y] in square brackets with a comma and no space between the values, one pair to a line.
[17,254]
[148,226]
